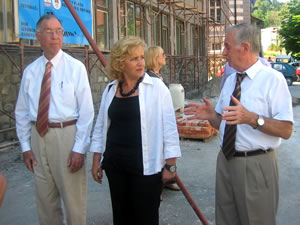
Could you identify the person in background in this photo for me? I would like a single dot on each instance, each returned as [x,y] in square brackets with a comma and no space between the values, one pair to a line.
[155,59]
[54,117]
[135,139]
[228,70]
[254,112]
[3,186]
[269,59]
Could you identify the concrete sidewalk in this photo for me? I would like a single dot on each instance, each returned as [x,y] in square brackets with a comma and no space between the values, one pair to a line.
[196,169]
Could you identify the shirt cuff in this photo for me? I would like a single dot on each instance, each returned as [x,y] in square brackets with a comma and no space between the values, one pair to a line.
[79,148]
[25,147]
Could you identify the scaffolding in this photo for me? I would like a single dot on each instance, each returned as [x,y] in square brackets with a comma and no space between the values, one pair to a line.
[216,35]
[190,68]
[193,67]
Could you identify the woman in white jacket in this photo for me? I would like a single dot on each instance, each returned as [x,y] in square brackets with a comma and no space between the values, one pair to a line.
[135,138]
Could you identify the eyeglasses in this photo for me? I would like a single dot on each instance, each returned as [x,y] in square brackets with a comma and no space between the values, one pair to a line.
[51,32]
[164,54]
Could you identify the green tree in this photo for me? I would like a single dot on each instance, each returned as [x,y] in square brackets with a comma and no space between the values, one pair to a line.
[272,19]
[267,11]
[290,27]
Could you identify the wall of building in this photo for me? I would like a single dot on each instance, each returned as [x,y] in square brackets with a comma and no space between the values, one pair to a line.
[10,78]
[189,69]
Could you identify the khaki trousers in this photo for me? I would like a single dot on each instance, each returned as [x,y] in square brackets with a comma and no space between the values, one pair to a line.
[247,190]
[54,183]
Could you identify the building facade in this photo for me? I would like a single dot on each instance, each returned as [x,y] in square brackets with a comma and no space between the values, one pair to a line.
[191,32]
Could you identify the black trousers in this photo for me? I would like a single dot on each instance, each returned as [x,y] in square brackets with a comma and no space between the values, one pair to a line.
[135,198]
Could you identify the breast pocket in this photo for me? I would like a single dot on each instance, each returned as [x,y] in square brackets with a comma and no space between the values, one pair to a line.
[256,104]
[68,94]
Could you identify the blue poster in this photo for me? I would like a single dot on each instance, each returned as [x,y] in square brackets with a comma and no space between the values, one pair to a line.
[72,34]
[29,13]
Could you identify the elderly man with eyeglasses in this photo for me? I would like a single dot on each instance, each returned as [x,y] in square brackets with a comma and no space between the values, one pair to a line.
[54,116]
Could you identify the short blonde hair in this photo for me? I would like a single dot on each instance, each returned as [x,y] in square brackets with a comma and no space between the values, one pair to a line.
[151,55]
[120,50]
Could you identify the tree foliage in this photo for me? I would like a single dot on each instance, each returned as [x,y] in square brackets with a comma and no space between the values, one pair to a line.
[267,11]
[290,27]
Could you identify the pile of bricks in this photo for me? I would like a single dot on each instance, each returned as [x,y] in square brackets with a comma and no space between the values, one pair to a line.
[196,129]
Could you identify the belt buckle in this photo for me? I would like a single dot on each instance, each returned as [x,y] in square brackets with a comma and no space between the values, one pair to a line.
[61,124]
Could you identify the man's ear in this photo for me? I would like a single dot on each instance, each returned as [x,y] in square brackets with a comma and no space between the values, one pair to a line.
[246,47]
[37,35]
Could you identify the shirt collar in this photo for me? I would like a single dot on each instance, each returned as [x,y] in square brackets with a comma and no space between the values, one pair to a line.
[254,69]
[55,60]
[147,79]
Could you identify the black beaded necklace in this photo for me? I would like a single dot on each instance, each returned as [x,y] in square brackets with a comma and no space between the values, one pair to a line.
[132,90]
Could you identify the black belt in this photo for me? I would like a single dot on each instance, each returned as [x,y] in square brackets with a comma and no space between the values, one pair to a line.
[252,153]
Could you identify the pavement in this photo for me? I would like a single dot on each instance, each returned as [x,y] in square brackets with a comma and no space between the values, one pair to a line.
[196,169]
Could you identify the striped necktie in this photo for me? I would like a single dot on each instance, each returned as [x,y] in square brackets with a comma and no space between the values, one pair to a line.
[43,111]
[230,130]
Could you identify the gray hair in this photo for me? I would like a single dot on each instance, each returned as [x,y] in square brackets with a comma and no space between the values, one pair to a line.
[246,33]
[46,17]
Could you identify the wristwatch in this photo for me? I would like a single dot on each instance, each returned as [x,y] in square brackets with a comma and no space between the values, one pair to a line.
[170,168]
[260,122]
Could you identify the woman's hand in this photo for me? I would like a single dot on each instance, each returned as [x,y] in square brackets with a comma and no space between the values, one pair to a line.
[97,168]
[167,175]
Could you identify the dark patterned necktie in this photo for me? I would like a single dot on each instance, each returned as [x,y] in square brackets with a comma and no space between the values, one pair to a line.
[43,111]
[228,147]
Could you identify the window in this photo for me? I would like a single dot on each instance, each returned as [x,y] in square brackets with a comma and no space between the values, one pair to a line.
[165,39]
[102,35]
[216,46]
[278,67]
[102,3]
[130,19]
[179,37]
[133,23]
[215,10]
[7,29]
[156,33]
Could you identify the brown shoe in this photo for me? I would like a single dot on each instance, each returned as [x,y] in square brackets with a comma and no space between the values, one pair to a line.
[172,186]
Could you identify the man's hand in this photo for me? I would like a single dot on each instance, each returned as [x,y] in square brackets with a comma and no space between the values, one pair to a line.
[238,114]
[204,111]
[29,160]
[200,111]
[75,161]
[97,168]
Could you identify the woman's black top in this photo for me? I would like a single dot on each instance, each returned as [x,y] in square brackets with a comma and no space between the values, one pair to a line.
[124,139]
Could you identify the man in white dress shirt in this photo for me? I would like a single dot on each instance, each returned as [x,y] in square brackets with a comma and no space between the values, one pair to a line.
[56,157]
[228,70]
[247,182]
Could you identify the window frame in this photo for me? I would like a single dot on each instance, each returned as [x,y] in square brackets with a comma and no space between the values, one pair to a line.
[9,28]
[105,34]
[180,37]
[165,33]
[215,9]
[137,21]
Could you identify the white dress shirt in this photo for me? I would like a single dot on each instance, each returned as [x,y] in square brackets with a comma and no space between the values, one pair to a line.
[70,98]
[228,70]
[265,92]
[160,139]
